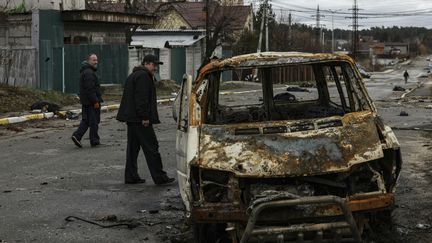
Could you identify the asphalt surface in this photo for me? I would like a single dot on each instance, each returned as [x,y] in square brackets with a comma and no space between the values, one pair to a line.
[44,178]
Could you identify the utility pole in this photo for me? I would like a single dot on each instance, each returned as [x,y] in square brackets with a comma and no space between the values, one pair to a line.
[318,37]
[333,36]
[333,40]
[355,26]
[323,38]
[290,29]
[262,26]
[355,36]
[281,19]
[318,23]
[267,31]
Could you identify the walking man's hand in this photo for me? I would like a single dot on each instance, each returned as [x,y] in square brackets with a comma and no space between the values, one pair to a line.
[96,105]
[146,123]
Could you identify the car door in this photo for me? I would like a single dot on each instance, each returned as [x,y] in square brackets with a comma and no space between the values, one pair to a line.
[181,114]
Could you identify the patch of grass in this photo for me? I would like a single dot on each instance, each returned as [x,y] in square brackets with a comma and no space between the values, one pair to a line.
[15,99]
[166,87]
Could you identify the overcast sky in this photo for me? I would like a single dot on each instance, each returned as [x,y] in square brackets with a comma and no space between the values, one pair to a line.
[303,12]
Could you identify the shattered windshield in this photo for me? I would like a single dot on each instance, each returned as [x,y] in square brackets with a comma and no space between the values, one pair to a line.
[301,91]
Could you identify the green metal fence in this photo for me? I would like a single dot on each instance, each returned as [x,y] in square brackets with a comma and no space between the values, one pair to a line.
[112,64]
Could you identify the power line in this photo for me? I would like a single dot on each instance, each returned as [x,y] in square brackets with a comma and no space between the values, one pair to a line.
[297,8]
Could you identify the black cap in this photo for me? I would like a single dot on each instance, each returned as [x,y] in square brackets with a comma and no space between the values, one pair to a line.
[152,58]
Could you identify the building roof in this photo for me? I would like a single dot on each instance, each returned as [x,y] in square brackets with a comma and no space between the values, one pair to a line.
[155,38]
[194,14]
[120,7]
[107,17]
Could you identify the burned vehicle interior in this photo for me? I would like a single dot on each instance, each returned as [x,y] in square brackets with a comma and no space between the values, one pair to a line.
[273,102]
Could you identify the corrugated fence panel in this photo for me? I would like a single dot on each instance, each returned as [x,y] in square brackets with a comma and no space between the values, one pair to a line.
[18,67]
[72,64]
[57,68]
[112,63]
[46,65]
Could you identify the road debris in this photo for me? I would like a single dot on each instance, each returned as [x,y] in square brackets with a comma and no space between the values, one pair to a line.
[398,88]
[153,211]
[423,226]
[296,89]
[129,225]
[45,106]
[402,231]
[403,113]
[110,217]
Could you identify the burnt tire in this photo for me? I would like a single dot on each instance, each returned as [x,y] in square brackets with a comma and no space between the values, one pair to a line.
[210,233]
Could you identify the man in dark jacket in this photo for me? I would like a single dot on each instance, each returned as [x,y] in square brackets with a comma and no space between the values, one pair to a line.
[138,108]
[90,97]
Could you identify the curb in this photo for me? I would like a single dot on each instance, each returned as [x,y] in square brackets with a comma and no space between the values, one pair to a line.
[384,72]
[41,116]
[412,90]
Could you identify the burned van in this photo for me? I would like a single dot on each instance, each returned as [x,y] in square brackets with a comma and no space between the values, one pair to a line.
[298,153]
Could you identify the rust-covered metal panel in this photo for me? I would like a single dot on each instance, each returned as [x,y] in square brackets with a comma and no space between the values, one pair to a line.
[227,212]
[292,151]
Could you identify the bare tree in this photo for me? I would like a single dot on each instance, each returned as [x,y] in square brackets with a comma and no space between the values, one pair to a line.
[126,6]
[131,6]
[4,6]
[220,21]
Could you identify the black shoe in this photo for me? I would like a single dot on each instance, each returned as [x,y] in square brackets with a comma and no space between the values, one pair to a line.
[76,142]
[165,181]
[139,181]
[95,144]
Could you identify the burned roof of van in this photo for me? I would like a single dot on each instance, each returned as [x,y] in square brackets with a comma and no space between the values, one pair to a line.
[273,59]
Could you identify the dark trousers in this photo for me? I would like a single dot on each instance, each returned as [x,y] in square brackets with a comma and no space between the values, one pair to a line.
[138,137]
[90,119]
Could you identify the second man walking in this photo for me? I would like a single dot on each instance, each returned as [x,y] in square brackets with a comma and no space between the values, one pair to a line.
[138,108]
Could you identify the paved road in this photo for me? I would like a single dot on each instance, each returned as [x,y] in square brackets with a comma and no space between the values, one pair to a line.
[45,178]
[380,85]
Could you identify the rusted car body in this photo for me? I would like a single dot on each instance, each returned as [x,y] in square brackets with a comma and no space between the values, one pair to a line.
[284,170]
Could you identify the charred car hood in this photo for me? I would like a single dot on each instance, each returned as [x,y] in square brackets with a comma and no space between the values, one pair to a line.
[290,148]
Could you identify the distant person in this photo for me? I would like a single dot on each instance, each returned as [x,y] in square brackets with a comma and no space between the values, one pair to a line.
[138,108]
[90,98]
[406,76]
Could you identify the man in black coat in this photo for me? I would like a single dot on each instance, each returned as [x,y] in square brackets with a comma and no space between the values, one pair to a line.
[90,98]
[138,108]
